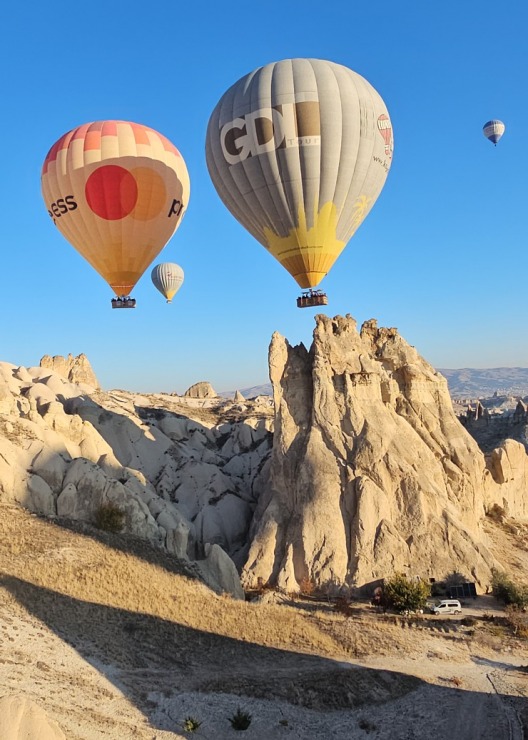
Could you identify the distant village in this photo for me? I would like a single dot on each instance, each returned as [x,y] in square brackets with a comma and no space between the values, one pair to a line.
[492,420]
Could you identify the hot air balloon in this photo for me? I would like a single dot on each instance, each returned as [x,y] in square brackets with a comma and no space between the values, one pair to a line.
[167,278]
[117,191]
[493,130]
[299,151]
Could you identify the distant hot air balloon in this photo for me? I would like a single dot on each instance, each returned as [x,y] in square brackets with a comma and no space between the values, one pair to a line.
[167,278]
[493,130]
[298,151]
[117,191]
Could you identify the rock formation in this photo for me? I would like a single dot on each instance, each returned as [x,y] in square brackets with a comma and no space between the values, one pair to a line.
[185,478]
[361,468]
[371,471]
[201,390]
[491,428]
[75,369]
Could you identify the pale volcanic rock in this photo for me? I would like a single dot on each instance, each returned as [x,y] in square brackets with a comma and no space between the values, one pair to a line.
[66,449]
[87,488]
[219,571]
[75,369]
[363,469]
[201,390]
[371,471]
[509,469]
[23,719]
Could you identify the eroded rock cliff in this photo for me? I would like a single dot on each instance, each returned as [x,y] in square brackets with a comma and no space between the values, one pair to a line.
[75,369]
[371,470]
[360,469]
[185,473]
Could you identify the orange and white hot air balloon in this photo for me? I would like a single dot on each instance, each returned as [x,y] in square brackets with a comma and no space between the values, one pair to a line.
[117,192]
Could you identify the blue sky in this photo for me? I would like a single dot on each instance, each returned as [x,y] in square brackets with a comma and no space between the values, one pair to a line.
[442,255]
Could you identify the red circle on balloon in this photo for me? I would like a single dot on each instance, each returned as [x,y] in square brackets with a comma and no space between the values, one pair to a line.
[111,192]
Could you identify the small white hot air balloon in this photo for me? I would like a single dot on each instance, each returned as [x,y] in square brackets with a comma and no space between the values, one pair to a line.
[493,130]
[167,278]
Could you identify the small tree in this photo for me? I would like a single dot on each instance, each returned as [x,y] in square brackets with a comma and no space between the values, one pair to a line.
[403,594]
[505,590]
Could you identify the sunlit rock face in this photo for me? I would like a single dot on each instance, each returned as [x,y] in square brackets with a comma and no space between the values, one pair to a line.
[371,471]
[357,468]
[75,369]
[186,477]
[203,389]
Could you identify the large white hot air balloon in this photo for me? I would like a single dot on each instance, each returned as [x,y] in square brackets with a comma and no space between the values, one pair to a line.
[299,151]
[167,278]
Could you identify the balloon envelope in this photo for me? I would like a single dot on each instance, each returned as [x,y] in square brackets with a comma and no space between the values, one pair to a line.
[493,130]
[117,191]
[299,151]
[167,278]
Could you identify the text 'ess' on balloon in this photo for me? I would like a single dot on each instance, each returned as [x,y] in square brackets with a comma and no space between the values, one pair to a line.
[299,151]
[117,192]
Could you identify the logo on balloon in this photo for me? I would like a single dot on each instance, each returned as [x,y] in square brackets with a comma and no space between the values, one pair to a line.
[266,129]
[113,192]
[385,129]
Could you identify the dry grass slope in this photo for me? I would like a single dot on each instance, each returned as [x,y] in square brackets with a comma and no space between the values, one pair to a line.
[113,637]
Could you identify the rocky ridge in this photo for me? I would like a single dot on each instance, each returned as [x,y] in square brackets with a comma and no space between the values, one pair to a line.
[359,469]
[186,473]
[75,369]
[371,470]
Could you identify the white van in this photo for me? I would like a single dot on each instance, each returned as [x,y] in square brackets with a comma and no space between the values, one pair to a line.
[448,606]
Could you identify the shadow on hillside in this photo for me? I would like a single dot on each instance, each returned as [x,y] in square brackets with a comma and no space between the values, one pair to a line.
[140,653]
[146,656]
[132,545]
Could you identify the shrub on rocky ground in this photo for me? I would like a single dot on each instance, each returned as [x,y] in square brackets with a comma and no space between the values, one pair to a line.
[506,590]
[109,518]
[518,620]
[403,594]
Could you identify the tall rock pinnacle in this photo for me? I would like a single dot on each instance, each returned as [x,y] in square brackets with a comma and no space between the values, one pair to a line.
[371,470]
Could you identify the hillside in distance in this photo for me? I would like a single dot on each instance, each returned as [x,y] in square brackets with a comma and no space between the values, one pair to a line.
[464,382]
[484,382]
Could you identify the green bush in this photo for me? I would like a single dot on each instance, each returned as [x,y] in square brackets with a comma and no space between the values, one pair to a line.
[403,594]
[109,518]
[505,590]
